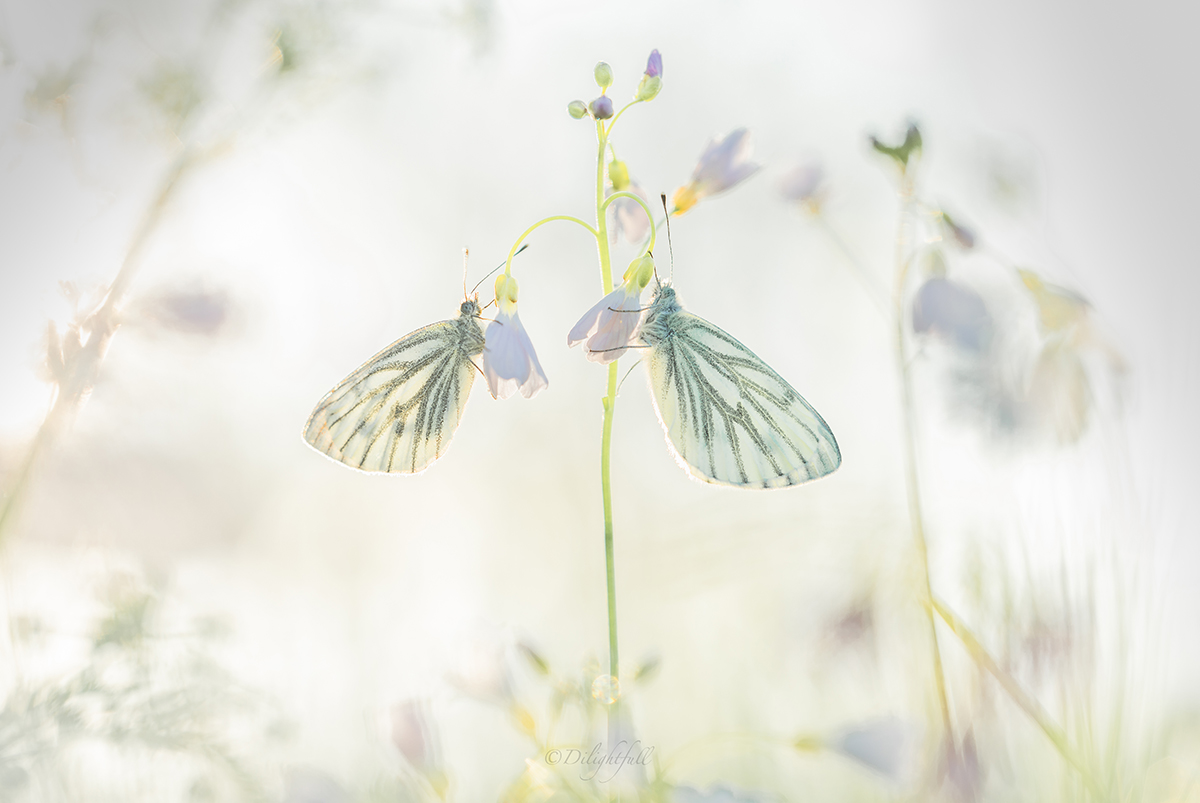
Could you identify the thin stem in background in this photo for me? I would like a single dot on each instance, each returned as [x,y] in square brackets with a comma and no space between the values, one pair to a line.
[1023,699]
[101,324]
[876,293]
[912,480]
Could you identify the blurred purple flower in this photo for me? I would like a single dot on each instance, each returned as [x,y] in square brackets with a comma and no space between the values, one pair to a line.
[803,183]
[412,733]
[886,745]
[953,311]
[960,234]
[626,216]
[725,163]
[717,793]
[304,785]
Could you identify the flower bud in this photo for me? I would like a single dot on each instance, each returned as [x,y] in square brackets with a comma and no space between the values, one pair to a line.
[640,271]
[577,109]
[618,174]
[506,291]
[601,108]
[649,87]
[604,76]
[654,65]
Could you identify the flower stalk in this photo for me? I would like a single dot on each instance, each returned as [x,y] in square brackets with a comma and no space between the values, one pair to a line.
[912,479]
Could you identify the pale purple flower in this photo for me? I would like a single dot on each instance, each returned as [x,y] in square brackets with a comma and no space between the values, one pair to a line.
[887,745]
[411,732]
[509,361]
[953,311]
[718,793]
[726,162]
[654,64]
[803,183]
[611,326]
[626,216]
[304,785]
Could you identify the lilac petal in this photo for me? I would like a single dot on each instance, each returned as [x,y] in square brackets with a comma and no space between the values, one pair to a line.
[591,319]
[617,330]
[954,311]
[802,182]
[654,64]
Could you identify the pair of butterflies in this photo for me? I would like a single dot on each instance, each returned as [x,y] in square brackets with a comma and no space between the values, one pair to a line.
[729,418]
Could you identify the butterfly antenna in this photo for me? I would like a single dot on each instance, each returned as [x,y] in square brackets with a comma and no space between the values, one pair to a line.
[670,248]
[627,373]
[466,251]
[493,270]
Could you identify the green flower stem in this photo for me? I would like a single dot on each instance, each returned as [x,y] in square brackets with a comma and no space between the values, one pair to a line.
[617,116]
[530,230]
[610,403]
[649,247]
[1023,699]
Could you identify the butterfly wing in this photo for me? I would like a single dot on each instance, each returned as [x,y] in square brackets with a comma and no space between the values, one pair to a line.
[398,412]
[729,418]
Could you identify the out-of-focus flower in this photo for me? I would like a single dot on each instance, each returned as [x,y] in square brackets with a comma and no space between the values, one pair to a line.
[193,311]
[887,745]
[509,361]
[625,215]
[945,308]
[718,793]
[577,109]
[651,81]
[1059,396]
[804,185]
[603,74]
[962,771]
[312,786]
[960,234]
[412,733]
[483,670]
[601,108]
[1058,307]
[902,153]
[725,162]
[611,326]
[533,657]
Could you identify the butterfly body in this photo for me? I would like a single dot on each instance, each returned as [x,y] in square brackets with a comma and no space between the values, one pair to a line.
[728,417]
[398,412]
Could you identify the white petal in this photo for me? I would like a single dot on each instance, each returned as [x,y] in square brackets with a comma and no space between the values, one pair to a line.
[591,319]
[509,360]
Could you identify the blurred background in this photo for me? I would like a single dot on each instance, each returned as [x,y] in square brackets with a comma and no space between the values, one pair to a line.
[198,606]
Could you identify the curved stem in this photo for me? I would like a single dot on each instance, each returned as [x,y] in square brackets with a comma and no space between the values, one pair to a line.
[542,222]
[649,247]
[606,134]
[1023,699]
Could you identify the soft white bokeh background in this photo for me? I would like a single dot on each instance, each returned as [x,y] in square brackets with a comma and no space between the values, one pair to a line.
[334,222]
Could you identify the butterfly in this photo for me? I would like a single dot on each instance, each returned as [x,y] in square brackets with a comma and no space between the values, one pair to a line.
[398,412]
[729,418]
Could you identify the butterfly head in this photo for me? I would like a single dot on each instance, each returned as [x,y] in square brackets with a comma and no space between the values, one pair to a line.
[470,307]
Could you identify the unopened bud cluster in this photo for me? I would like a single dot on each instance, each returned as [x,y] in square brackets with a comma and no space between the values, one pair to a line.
[602,107]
